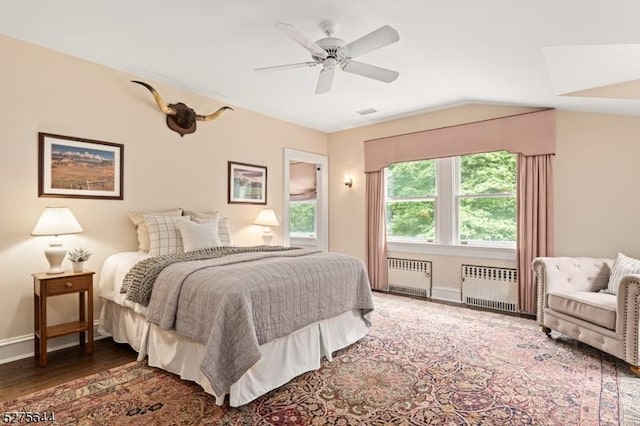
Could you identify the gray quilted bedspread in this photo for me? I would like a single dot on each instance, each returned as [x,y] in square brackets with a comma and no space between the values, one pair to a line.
[235,303]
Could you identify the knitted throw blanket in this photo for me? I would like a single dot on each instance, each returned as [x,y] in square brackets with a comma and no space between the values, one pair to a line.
[138,283]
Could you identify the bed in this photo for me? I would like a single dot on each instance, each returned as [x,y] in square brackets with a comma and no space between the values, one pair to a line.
[237,352]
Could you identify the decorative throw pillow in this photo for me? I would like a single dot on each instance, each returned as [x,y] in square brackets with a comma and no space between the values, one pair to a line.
[164,235]
[223,231]
[200,217]
[143,232]
[196,236]
[622,266]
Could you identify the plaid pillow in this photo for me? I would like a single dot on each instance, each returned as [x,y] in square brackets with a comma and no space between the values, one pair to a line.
[223,231]
[164,235]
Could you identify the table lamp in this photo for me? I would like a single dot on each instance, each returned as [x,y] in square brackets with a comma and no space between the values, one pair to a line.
[267,218]
[56,221]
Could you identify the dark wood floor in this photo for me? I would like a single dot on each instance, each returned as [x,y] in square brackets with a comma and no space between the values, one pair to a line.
[24,376]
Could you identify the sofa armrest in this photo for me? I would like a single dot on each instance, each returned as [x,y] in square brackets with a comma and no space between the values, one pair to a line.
[565,274]
[628,320]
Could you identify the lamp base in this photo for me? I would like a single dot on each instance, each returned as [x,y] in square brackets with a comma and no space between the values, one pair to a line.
[267,236]
[55,254]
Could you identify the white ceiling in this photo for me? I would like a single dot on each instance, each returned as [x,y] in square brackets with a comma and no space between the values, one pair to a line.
[514,52]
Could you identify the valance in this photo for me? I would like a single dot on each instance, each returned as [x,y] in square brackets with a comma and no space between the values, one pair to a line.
[532,133]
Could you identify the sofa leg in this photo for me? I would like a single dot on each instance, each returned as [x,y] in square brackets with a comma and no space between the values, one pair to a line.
[635,370]
[546,330]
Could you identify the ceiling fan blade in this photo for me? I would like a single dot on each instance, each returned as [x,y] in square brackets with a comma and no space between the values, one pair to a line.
[381,37]
[371,71]
[325,79]
[302,40]
[288,66]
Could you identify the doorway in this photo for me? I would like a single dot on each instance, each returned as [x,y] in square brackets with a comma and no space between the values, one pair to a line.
[305,210]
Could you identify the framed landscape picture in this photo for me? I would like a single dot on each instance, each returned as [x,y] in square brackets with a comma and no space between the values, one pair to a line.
[73,167]
[247,184]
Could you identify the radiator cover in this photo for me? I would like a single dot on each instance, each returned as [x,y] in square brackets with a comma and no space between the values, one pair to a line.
[490,287]
[409,276]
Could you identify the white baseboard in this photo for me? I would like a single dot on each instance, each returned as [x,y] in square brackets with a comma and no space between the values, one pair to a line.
[20,347]
[446,293]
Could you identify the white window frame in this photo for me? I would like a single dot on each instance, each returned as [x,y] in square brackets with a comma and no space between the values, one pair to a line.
[447,242]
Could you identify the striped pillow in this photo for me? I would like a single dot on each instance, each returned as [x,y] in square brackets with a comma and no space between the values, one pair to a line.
[622,266]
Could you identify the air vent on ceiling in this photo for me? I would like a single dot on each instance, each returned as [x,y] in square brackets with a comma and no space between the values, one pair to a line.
[367,111]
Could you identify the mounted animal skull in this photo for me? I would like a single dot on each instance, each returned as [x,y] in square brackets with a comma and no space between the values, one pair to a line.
[181,118]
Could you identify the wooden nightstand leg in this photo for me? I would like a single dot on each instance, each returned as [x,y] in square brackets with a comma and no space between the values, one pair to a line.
[90,320]
[36,326]
[42,326]
[82,308]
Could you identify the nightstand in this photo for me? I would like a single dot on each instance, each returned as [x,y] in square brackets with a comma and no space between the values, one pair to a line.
[47,285]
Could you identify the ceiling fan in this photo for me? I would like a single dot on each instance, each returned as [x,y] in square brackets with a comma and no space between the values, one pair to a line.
[331,52]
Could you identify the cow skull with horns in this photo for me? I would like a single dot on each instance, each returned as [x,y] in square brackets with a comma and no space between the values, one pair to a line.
[180,118]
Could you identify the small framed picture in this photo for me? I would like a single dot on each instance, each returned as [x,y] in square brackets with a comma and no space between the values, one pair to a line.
[71,167]
[247,184]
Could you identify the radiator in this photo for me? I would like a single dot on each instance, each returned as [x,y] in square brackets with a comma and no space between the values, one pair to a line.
[409,276]
[490,287]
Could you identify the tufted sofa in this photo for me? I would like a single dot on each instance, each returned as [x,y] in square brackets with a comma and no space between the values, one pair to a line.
[570,302]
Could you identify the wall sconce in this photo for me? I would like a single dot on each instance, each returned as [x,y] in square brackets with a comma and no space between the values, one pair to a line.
[348,181]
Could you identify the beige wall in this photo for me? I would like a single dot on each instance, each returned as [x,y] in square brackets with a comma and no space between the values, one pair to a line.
[597,185]
[597,196]
[46,91]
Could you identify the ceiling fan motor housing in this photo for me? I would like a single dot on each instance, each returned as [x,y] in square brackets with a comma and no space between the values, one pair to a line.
[332,46]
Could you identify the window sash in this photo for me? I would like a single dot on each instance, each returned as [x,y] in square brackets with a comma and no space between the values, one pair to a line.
[313,233]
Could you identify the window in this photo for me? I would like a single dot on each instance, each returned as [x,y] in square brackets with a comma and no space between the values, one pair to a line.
[302,219]
[469,200]
[411,200]
[486,198]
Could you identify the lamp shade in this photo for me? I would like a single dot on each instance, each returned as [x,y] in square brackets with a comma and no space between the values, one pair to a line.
[266,217]
[56,221]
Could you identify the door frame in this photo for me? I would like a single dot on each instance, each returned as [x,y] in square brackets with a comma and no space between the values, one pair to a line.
[322,197]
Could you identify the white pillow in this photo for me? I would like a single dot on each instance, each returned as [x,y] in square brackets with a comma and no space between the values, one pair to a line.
[200,216]
[164,235]
[141,227]
[196,236]
[622,266]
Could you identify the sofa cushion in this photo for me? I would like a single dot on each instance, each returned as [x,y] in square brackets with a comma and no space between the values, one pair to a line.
[594,307]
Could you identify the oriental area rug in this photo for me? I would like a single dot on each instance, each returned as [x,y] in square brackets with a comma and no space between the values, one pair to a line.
[422,363]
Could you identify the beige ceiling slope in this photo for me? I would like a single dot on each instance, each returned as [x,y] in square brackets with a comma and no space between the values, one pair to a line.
[625,90]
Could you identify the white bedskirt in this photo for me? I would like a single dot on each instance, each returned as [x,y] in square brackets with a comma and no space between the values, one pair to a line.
[282,359]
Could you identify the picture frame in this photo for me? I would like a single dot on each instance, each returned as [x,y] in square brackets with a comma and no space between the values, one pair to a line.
[247,184]
[72,167]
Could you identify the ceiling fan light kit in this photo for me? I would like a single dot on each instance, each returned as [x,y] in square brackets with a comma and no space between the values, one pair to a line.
[331,52]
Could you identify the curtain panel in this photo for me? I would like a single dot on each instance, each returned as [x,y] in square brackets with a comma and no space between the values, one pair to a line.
[530,135]
[535,222]
[376,231]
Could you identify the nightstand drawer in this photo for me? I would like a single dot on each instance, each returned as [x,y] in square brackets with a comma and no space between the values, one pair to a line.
[65,285]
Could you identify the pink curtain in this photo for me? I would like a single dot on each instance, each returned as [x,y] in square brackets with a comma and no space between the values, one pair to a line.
[376,231]
[303,184]
[535,222]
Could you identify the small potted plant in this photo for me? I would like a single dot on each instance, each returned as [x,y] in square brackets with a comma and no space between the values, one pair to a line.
[77,257]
